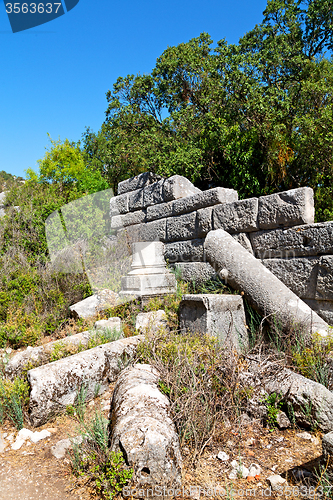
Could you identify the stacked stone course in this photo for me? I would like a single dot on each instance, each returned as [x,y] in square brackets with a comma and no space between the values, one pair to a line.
[279,229]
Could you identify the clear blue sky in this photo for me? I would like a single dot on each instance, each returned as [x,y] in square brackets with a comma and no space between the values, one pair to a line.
[54,77]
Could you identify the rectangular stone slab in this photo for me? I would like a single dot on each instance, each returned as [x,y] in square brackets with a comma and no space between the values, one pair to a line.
[305,240]
[137,182]
[184,251]
[55,386]
[324,289]
[240,216]
[182,227]
[288,208]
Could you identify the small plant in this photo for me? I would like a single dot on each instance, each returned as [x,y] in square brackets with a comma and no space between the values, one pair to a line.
[95,464]
[80,403]
[14,396]
[273,406]
[104,336]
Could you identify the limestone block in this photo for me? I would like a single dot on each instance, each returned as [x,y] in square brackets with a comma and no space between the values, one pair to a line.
[153,194]
[119,205]
[204,199]
[299,274]
[142,429]
[153,231]
[151,322]
[222,316]
[119,221]
[55,385]
[137,182]
[95,303]
[184,251]
[135,200]
[204,221]
[111,323]
[324,309]
[325,278]
[264,291]
[289,208]
[239,216]
[182,227]
[313,239]
[178,186]
[160,211]
[244,240]
[197,272]
[130,234]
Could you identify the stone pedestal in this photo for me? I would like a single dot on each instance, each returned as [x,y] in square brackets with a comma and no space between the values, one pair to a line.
[149,275]
[221,316]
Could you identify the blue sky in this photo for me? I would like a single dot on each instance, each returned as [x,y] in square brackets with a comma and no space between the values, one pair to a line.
[54,77]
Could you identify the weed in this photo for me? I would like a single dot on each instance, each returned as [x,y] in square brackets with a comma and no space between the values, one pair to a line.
[95,464]
[103,336]
[14,396]
[80,402]
[273,406]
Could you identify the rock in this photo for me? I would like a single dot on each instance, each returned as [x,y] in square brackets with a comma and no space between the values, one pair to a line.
[324,309]
[195,272]
[112,323]
[324,289]
[118,205]
[182,227]
[239,471]
[244,240]
[95,303]
[327,455]
[299,274]
[184,251]
[304,435]
[55,386]
[204,222]
[254,470]
[264,291]
[298,241]
[237,217]
[60,448]
[289,208]
[151,322]
[38,436]
[277,482]
[160,211]
[282,420]
[178,187]
[137,182]
[142,429]
[153,231]
[223,456]
[218,315]
[311,402]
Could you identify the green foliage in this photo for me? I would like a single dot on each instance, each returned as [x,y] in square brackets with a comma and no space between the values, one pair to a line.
[92,461]
[273,405]
[14,396]
[255,116]
[103,336]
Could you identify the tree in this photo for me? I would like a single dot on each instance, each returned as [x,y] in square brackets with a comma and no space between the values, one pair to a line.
[255,116]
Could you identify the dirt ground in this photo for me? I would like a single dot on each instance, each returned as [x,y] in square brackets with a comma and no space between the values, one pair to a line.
[33,473]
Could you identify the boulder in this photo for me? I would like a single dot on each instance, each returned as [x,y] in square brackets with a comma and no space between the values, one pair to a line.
[151,322]
[94,304]
[142,429]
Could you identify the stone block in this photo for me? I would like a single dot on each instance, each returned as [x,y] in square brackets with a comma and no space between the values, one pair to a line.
[221,316]
[55,386]
[160,211]
[236,217]
[137,182]
[132,218]
[153,194]
[182,227]
[204,221]
[119,205]
[325,278]
[117,221]
[204,199]
[298,241]
[197,272]
[184,251]
[151,322]
[178,186]
[244,240]
[324,309]
[135,200]
[264,291]
[299,274]
[153,231]
[111,323]
[289,208]
[141,427]
[94,304]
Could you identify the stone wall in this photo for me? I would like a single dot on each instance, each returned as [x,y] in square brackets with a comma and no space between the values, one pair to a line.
[279,229]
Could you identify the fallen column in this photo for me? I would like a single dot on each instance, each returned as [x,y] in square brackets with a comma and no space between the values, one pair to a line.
[142,429]
[264,291]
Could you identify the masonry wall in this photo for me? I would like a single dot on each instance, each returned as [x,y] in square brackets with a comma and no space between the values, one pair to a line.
[279,229]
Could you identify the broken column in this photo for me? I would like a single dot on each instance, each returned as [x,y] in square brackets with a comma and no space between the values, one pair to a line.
[264,291]
[142,429]
[222,316]
[149,275]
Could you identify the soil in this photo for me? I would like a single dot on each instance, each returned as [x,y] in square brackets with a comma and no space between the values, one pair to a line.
[33,473]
